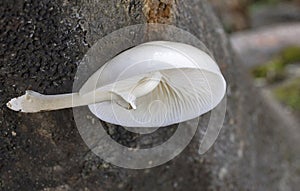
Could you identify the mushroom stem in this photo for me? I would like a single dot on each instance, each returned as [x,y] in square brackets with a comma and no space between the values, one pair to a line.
[32,101]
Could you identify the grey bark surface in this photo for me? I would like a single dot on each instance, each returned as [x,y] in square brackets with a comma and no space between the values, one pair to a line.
[42,43]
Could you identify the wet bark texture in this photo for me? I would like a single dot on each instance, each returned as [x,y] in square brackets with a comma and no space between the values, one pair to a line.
[42,43]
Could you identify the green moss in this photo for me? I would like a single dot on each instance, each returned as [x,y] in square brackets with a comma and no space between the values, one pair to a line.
[267,2]
[289,94]
[274,70]
[262,3]
[291,55]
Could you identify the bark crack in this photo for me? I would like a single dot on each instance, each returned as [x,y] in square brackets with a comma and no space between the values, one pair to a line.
[159,11]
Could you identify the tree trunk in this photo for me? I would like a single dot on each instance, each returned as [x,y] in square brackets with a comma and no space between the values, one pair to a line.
[42,43]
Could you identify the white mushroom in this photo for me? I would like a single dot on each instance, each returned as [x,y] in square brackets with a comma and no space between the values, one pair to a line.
[154,84]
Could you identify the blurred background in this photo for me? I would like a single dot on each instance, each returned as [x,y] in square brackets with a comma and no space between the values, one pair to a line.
[265,35]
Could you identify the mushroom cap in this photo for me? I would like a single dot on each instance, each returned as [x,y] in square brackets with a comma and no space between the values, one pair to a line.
[190,84]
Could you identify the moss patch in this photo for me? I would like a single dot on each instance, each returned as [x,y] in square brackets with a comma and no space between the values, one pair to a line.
[289,94]
[262,3]
[290,55]
[274,70]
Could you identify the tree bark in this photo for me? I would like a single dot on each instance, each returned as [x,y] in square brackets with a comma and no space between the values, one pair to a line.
[42,43]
